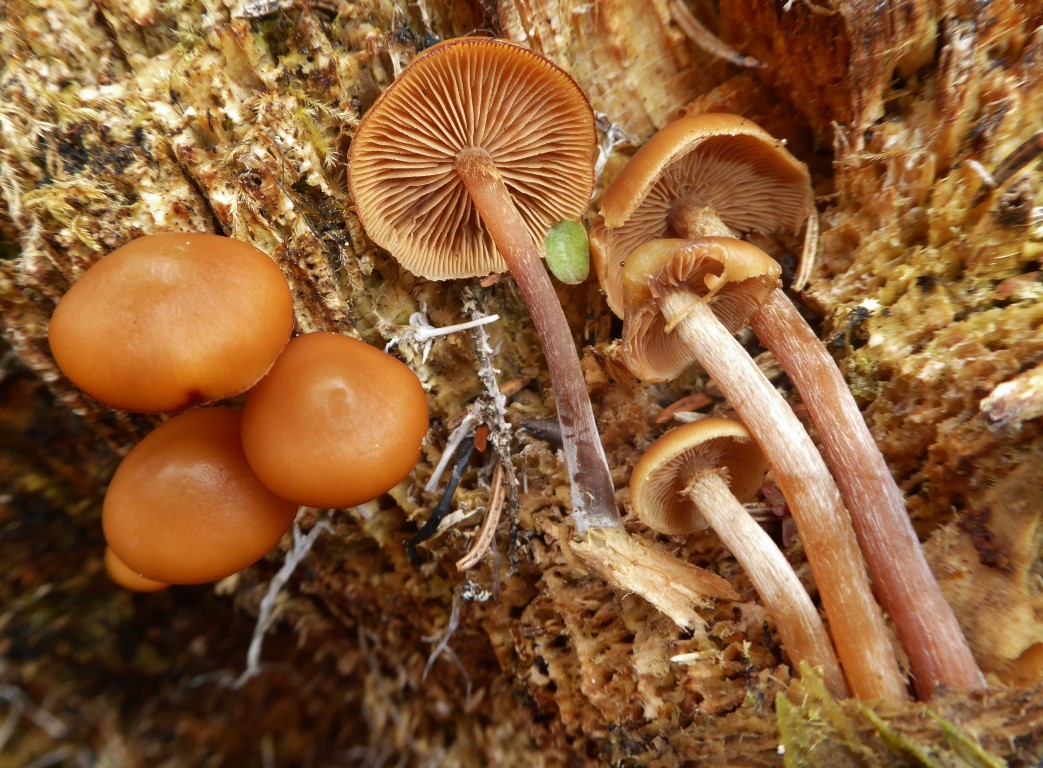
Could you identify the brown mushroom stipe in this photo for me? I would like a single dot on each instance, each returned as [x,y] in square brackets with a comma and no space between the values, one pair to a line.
[458,170]
[722,164]
[701,473]
[172,320]
[928,629]
[335,423]
[925,622]
[184,507]
[123,576]
[689,296]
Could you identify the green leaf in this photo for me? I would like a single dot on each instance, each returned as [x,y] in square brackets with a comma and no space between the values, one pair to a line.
[567,252]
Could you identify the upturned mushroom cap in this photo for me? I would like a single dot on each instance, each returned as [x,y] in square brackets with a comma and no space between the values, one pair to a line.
[336,422]
[732,276]
[172,320]
[184,507]
[664,471]
[470,93]
[714,160]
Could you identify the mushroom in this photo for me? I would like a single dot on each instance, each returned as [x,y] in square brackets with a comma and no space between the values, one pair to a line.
[335,423]
[458,170]
[158,324]
[124,576]
[721,175]
[683,300]
[712,166]
[701,473]
[184,507]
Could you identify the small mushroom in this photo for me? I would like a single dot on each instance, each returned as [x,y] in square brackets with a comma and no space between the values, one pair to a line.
[697,171]
[159,324]
[184,507]
[335,423]
[683,300]
[721,175]
[124,576]
[458,170]
[701,473]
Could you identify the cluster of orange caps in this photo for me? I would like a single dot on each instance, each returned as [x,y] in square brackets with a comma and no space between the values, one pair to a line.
[460,168]
[172,321]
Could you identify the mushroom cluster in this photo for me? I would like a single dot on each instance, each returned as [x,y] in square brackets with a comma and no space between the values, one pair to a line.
[479,158]
[669,252]
[158,326]
[461,168]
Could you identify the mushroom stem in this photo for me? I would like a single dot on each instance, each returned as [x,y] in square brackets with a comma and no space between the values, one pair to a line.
[856,623]
[930,634]
[691,219]
[803,635]
[593,493]
[926,625]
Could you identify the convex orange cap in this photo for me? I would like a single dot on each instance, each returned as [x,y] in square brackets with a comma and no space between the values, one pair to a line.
[172,320]
[184,507]
[335,423]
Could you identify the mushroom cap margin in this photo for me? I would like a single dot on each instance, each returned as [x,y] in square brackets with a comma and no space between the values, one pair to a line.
[664,471]
[725,161]
[732,276]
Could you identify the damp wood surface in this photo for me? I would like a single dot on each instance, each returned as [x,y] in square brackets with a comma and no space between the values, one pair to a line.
[919,122]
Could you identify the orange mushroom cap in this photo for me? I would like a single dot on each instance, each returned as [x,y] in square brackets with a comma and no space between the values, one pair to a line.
[124,576]
[184,507]
[659,479]
[462,95]
[732,276]
[714,160]
[661,475]
[172,320]
[699,474]
[335,423]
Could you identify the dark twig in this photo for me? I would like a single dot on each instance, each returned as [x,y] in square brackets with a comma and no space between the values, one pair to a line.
[427,530]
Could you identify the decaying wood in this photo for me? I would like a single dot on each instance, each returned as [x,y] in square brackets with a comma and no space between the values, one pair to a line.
[919,122]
